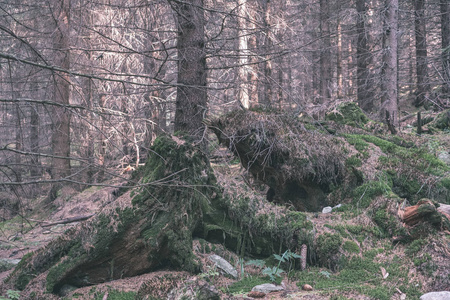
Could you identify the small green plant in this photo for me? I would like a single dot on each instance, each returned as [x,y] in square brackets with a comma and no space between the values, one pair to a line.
[325,273]
[274,272]
[210,275]
[11,295]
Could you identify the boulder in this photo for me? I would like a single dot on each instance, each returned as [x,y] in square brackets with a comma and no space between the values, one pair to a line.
[267,288]
[436,296]
[223,265]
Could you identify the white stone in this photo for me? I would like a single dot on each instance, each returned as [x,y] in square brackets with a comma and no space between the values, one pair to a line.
[267,288]
[327,210]
[224,265]
[436,296]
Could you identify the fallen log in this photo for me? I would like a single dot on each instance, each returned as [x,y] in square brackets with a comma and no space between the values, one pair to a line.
[426,211]
[69,220]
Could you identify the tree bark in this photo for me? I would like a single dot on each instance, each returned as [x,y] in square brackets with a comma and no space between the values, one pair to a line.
[421,52]
[243,89]
[325,52]
[61,116]
[268,48]
[191,101]
[364,95]
[35,170]
[389,70]
[445,34]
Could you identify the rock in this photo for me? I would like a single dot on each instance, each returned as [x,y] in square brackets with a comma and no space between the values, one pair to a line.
[307,287]
[267,288]
[8,263]
[327,210]
[255,294]
[337,206]
[445,157]
[436,296]
[224,265]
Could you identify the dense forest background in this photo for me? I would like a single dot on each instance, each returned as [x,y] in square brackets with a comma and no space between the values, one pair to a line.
[87,85]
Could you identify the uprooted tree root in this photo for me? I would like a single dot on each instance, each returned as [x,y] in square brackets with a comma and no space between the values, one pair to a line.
[299,163]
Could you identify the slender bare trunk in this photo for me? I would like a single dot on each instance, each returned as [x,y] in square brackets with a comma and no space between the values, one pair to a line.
[390,68]
[325,52]
[445,34]
[364,95]
[421,52]
[61,115]
[243,88]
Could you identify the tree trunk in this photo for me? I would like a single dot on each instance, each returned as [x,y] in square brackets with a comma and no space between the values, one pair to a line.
[389,70]
[268,48]
[340,83]
[421,52]
[243,88]
[364,95]
[325,52]
[253,67]
[61,115]
[191,101]
[445,33]
[19,145]
[35,170]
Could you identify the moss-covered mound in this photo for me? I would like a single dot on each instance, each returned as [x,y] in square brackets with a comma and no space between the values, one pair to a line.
[299,163]
[348,113]
[310,164]
[177,199]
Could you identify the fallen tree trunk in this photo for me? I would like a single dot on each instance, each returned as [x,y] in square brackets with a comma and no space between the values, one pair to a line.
[426,211]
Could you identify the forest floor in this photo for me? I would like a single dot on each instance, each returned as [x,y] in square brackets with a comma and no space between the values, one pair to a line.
[375,267]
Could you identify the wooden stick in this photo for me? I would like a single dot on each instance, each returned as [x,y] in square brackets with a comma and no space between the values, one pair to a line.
[68,220]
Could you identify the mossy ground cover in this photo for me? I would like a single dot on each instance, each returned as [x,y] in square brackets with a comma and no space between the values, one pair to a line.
[245,285]
[361,274]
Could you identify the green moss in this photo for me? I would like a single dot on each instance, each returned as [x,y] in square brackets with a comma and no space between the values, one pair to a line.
[328,246]
[246,284]
[353,161]
[415,246]
[445,183]
[350,247]
[442,121]
[348,113]
[357,141]
[388,224]
[364,194]
[408,187]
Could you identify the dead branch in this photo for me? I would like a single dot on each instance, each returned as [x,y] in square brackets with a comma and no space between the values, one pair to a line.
[69,220]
